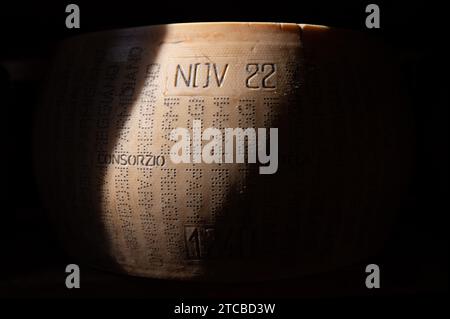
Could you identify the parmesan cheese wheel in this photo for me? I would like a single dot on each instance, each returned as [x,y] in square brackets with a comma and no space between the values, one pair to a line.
[120,201]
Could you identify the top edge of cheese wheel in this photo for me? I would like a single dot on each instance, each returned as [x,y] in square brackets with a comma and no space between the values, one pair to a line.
[210,31]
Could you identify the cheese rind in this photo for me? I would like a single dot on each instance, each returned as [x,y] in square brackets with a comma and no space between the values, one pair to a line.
[103,149]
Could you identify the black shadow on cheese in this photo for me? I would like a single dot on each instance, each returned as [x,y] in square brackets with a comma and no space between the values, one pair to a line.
[67,130]
[345,160]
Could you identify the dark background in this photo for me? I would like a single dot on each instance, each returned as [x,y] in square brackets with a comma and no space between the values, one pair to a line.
[415,261]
